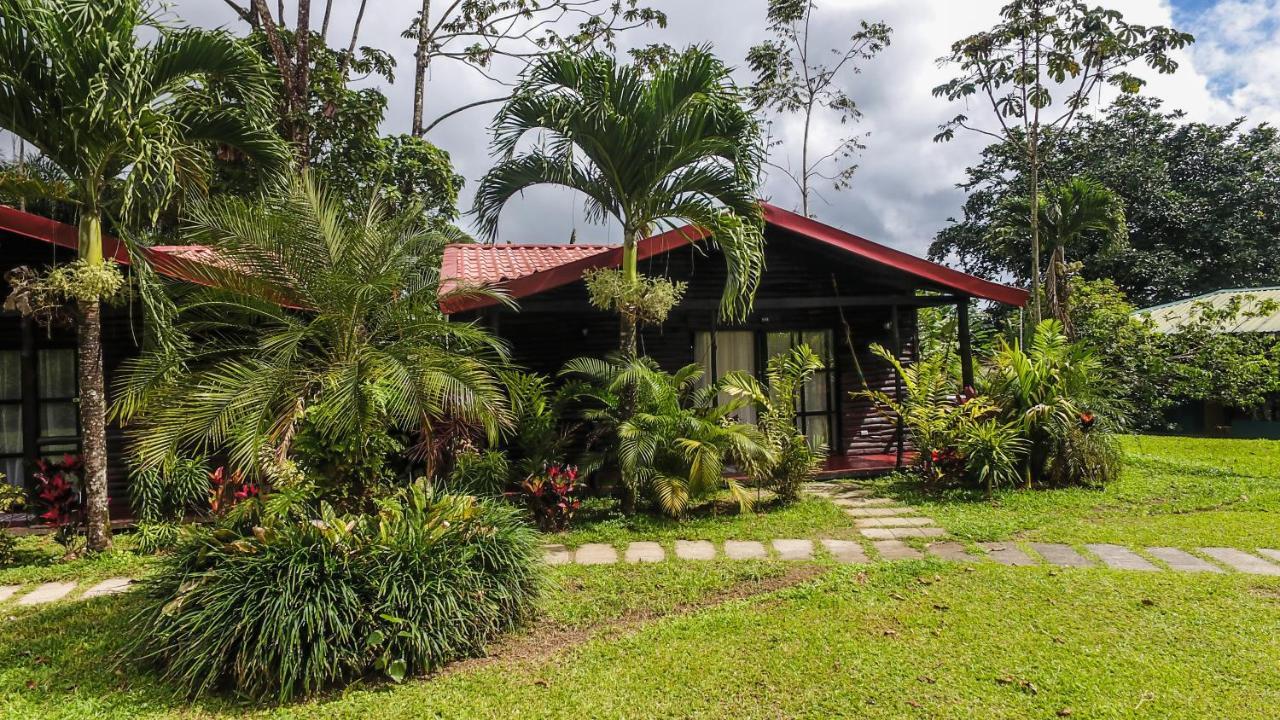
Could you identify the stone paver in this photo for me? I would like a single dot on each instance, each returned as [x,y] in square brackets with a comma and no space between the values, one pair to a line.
[902,533]
[47,592]
[1061,555]
[7,591]
[1007,554]
[695,550]
[1241,560]
[641,552]
[1119,557]
[744,550]
[1181,560]
[110,586]
[1270,554]
[883,522]
[896,550]
[952,551]
[878,512]
[556,555]
[864,502]
[793,549]
[596,554]
[846,551]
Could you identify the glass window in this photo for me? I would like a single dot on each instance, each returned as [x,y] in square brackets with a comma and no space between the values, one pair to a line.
[11,416]
[10,375]
[56,374]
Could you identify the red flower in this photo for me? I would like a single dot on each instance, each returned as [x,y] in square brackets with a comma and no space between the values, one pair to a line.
[1086,420]
[217,476]
[247,490]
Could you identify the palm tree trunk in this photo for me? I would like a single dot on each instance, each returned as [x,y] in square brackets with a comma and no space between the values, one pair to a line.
[93,403]
[630,273]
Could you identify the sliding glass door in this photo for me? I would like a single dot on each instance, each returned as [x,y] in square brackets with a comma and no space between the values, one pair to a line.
[748,351]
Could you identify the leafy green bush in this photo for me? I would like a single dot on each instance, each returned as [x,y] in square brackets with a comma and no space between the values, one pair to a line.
[1044,415]
[8,548]
[292,609]
[664,432]
[794,459]
[484,473]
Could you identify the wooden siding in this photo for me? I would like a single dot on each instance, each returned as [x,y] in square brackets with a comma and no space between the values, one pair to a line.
[556,326]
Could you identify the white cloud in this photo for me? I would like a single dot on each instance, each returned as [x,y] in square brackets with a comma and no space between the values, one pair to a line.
[904,189]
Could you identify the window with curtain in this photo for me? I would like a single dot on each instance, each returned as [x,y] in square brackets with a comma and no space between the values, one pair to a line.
[727,351]
[57,386]
[11,416]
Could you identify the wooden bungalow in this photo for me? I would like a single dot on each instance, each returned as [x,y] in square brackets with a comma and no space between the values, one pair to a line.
[822,286]
[833,290]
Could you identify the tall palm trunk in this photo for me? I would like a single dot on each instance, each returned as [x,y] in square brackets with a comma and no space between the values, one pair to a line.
[630,273]
[93,419]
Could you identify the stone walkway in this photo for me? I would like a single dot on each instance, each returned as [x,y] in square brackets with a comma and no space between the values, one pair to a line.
[51,591]
[885,524]
[877,518]
[1117,557]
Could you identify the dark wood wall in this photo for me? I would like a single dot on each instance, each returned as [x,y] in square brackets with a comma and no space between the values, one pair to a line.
[121,331]
[556,326]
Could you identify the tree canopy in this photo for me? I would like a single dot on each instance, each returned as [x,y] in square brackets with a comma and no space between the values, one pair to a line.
[1202,203]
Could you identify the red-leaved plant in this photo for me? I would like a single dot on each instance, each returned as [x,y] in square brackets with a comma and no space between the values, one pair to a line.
[225,492]
[58,494]
[552,496]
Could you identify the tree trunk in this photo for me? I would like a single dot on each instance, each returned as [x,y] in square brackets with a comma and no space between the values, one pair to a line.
[302,85]
[93,397]
[1034,190]
[630,273]
[421,57]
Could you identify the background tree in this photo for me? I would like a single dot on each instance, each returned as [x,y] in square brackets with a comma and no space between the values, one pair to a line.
[1202,203]
[1069,213]
[651,150]
[790,78]
[1038,49]
[77,85]
[476,32]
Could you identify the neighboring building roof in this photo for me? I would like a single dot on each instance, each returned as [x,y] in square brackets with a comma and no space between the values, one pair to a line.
[524,270]
[1170,316]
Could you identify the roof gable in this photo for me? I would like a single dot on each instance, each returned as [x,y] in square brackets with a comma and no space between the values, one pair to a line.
[525,270]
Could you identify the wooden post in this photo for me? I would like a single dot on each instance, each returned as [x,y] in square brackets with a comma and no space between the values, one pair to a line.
[966,345]
[897,386]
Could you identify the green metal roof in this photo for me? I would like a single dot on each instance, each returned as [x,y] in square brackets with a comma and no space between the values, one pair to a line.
[1169,316]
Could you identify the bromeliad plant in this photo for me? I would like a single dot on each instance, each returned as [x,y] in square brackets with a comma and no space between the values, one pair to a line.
[665,433]
[58,494]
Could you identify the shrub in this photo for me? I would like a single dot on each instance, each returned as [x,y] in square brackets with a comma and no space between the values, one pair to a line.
[665,432]
[291,609]
[58,496]
[793,460]
[552,497]
[8,548]
[479,472]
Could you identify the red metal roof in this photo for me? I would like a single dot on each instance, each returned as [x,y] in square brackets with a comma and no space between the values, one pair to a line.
[168,259]
[524,270]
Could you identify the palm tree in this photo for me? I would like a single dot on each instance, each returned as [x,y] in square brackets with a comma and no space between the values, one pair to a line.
[652,150]
[311,313]
[665,432]
[1068,214]
[76,84]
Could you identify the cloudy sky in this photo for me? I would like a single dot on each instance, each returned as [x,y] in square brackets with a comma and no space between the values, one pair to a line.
[904,189]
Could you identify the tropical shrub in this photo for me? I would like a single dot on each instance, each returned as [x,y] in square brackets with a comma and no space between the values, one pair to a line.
[58,496]
[12,497]
[287,610]
[794,460]
[318,339]
[1044,415]
[8,548]
[552,496]
[542,432]
[665,433]
[485,473]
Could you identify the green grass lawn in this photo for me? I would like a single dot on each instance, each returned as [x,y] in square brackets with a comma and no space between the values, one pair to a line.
[919,639]
[39,559]
[1185,492]
[721,640]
